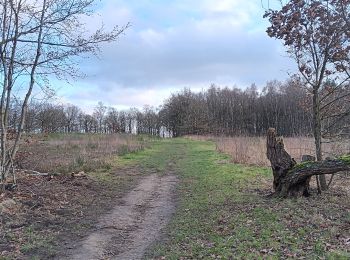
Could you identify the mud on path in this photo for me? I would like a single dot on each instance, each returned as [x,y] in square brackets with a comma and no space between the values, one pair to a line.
[134,224]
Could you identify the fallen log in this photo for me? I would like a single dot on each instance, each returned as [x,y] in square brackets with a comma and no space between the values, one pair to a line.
[36,173]
[292,179]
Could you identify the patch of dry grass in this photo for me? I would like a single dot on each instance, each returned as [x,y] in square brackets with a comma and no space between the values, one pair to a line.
[75,152]
[252,150]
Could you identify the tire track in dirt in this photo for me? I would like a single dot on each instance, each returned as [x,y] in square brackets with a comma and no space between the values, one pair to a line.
[134,224]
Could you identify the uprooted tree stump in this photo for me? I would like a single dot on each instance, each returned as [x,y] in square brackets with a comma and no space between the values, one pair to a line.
[292,179]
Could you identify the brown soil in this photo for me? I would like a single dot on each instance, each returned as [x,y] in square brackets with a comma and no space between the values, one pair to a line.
[134,223]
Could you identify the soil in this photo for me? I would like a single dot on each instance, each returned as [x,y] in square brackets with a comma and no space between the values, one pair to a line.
[133,225]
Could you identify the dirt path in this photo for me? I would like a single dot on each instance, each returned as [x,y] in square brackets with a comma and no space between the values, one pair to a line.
[134,224]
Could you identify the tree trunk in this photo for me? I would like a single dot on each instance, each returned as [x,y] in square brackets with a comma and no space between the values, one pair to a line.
[291,179]
[317,135]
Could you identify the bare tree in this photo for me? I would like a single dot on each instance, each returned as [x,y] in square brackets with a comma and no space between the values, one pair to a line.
[131,115]
[50,118]
[112,120]
[39,40]
[99,114]
[71,115]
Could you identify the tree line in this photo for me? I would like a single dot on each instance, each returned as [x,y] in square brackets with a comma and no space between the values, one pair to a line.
[233,111]
[46,117]
[218,111]
[285,106]
[49,117]
[215,111]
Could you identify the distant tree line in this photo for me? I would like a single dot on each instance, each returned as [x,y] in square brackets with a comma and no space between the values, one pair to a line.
[232,111]
[285,106]
[44,117]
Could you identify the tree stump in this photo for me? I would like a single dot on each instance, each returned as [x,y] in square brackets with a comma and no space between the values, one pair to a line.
[292,179]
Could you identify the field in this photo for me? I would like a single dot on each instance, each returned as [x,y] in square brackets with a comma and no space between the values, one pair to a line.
[219,209]
[225,212]
[252,150]
[64,153]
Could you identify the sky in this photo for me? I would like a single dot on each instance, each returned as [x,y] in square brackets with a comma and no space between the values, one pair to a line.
[173,44]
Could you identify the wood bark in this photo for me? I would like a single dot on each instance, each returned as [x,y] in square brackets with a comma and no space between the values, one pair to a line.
[317,134]
[292,179]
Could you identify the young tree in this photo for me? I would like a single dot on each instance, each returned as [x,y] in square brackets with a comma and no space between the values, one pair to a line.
[112,120]
[72,113]
[99,115]
[39,40]
[317,37]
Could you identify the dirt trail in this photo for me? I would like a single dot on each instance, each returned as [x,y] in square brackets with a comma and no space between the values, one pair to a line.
[134,224]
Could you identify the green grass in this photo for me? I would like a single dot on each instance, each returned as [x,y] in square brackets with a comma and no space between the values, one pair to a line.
[223,211]
[157,157]
[204,225]
[36,241]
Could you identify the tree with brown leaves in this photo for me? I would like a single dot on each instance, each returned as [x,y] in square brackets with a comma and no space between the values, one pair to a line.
[317,36]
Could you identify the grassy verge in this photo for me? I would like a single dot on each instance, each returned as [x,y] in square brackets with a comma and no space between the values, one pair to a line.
[224,213]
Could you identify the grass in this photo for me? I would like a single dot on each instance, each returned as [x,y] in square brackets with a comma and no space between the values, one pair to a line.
[36,240]
[157,157]
[252,150]
[65,153]
[224,213]
[208,188]
[223,210]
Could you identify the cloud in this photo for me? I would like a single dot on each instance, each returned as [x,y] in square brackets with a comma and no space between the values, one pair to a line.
[87,96]
[173,44]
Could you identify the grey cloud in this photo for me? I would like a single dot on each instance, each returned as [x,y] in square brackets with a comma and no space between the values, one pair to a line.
[154,58]
[188,57]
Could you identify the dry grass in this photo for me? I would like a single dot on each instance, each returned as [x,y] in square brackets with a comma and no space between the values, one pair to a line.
[75,152]
[252,150]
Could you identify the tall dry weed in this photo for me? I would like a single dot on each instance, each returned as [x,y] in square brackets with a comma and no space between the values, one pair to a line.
[74,152]
[252,150]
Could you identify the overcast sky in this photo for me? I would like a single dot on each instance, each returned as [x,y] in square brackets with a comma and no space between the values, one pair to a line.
[174,44]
